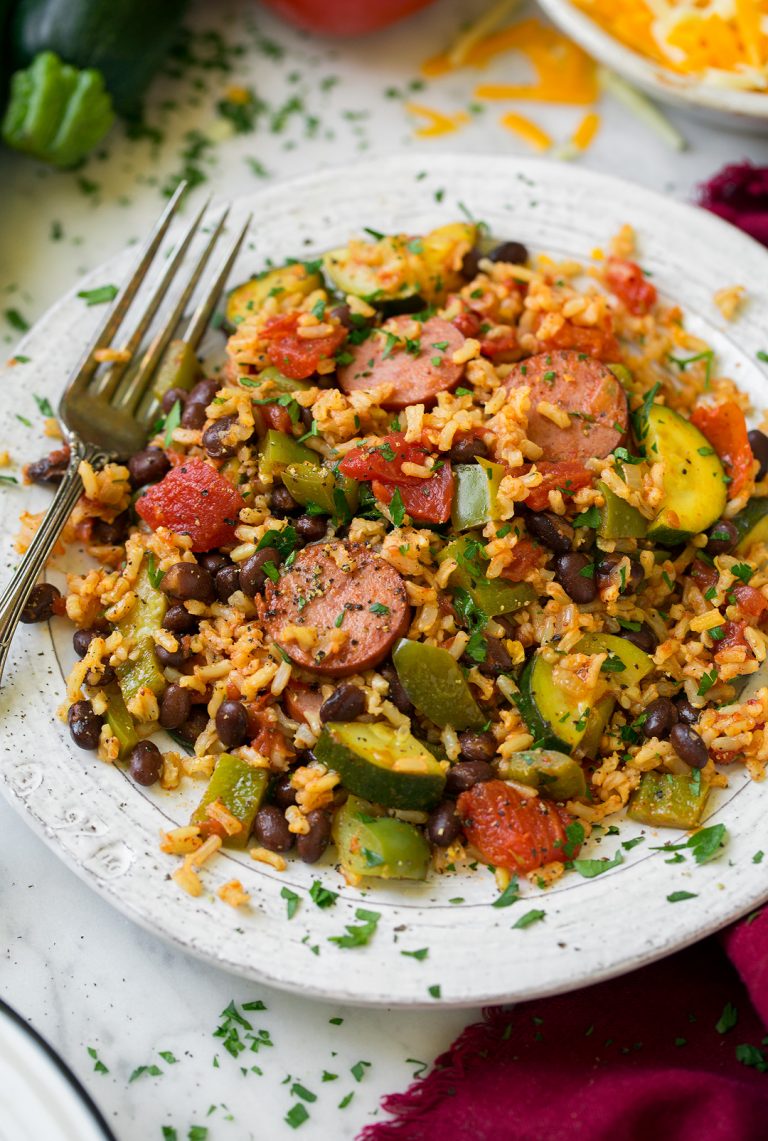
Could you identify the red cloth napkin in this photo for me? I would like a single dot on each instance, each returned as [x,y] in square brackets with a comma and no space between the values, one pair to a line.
[673,1052]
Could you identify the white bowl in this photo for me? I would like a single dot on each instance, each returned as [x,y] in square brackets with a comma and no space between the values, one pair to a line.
[723,106]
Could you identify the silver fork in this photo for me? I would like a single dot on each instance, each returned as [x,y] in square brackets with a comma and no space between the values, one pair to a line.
[106,413]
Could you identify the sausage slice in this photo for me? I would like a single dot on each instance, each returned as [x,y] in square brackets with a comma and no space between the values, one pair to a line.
[417,371]
[338,610]
[586,390]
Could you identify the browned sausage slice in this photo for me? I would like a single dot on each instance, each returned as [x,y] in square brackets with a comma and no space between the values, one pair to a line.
[338,610]
[586,390]
[416,376]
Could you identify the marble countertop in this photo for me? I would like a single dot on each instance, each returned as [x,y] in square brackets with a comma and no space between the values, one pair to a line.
[77,970]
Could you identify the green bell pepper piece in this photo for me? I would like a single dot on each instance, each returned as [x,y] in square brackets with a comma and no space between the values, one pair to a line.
[279,451]
[240,787]
[436,685]
[554,774]
[372,845]
[178,369]
[281,382]
[146,617]
[492,596]
[56,112]
[475,494]
[669,800]
[619,519]
[120,721]
[323,487]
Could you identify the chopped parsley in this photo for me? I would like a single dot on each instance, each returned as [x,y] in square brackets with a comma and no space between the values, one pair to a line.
[172,421]
[529,918]
[44,405]
[296,1115]
[322,896]
[705,844]
[434,990]
[358,1070]
[98,1065]
[397,508]
[510,895]
[421,954]
[291,901]
[100,295]
[358,935]
[743,572]
[679,896]
[378,608]
[153,1071]
[707,681]
[154,575]
[727,1019]
[591,868]
[16,321]
[589,518]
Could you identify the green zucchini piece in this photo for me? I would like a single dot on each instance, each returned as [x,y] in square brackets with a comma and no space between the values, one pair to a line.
[373,845]
[287,281]
[752,525]
[492,596]
[120,721]
[435,683]
[146,617]
[669,800]
[554,721]
[637,664]
[379,763]
[240,787]
[475,494]
[278,451]
[619,519]
[694,480]
[556,775]
[321,486]
[178,369]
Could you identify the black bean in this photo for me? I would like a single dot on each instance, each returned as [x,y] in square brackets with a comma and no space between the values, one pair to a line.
[195,724]
[283,793]
[311,846]
[466,774]
[39,604]
[50,468]
[722,538]
[84,725]
[110,534]
[171,396]
[306,417]
[660,716]
[689,746]
[232,724]
[148,466]
[551,530]
[227,581]
[188,581]
[213,561]
[477,746]
[497,660]
[271,829]
[443,826]
[145,762]
[627,582]
[575,573]
[179,621]
[81,640]
[311,528]
[758,442]
[470,266]
[687,712]
[464,451]
[397,694]
[216,440]
[175,706]
[514,253]
[173,658]
[343,315]
[644,638]
[346,703]
[252,576]
[281,502]
[198,400]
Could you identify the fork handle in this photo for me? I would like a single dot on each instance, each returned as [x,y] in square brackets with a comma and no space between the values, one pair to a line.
[67,494]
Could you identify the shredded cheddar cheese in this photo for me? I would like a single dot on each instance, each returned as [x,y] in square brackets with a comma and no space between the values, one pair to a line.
[437,122]
[527,130]
[586,130]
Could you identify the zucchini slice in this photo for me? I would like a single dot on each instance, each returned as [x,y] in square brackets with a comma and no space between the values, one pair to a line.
[668,800]
[555,775]
[380,764]
[752,525]
[372,845]
[694,480]
[250,296]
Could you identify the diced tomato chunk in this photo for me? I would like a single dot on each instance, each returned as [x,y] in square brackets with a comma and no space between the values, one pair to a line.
[595,342]
[726,429]
[513,831]
[468,323]
[525,555]
[629,283]
[275,416]
[567,476]
[429,500]
[382,464]
[749,599]
[196,500]
[495,347]
[733,635]
[295,356]
[704,575]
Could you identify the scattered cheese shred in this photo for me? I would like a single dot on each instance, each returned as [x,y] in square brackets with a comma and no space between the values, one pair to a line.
[482,27]
[437,122]
[586,130]
[527,130]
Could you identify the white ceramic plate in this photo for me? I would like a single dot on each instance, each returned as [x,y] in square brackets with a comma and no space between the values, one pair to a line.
[726,106]
[107,828]
[40,1097]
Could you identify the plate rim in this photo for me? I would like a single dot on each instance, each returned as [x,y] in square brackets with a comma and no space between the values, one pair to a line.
[406,167]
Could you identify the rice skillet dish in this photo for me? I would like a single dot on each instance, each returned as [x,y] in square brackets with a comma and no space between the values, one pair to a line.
[460,556]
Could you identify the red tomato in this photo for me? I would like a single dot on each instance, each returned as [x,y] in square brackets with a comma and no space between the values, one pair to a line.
[564,475]
[468,323]
[275,416]
[726,429]
[296,356]
[750,601]
[194,500]
[384,459]
[494,347]
[428,499]
[704,575]
[512,831]
[344,17]
[629,283]
[733,635]
[598,343]
[525,555]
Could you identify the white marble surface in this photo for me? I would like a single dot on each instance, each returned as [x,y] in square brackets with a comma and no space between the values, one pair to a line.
[80,972]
